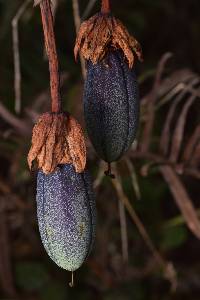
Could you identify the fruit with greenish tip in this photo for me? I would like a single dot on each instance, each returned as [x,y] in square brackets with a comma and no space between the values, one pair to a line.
[66,215]
[111,105]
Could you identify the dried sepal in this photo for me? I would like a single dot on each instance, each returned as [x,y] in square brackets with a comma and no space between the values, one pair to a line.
[57,139]
[102,31]
[85,28]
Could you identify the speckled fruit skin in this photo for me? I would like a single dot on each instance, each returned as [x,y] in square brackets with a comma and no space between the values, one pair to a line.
[111,106]
[66,215]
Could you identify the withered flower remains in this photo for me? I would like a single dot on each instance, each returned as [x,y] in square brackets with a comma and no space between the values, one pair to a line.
[111,94]
[57,139]
[103,31]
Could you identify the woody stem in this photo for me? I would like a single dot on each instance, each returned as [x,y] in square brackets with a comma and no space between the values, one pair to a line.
[105,6]
[49,36]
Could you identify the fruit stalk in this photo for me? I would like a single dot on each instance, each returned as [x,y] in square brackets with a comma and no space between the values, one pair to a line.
[105,6]
[49,36]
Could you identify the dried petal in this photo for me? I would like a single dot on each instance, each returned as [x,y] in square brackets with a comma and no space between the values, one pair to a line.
[101,32]
[130,40]
[76,143]
[84,31]
[121,43]
[57,139]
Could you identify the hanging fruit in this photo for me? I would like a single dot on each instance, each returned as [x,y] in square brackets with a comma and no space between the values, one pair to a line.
[65,200]
[111,96]
[66,215]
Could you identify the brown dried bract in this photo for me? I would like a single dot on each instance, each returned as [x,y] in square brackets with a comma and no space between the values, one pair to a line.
[101,32]
[57,139]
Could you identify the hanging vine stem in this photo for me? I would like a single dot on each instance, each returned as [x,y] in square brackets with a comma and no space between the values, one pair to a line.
[49,36]
[105,6]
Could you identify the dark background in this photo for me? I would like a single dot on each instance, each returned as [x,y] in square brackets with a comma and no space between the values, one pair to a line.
[26,272]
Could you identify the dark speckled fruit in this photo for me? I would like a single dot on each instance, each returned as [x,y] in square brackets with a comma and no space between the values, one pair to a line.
[66,216]
[111,106]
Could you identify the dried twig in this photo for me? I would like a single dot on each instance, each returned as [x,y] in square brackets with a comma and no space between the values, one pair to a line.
[16,55]
[54,8]
[88,9]
[193,172]
[152,97]
[6,276]
[182,199]
[168,268]
[124,233]
[189,148]
[21,126]
[181,76]
[165,136]
[179,130]
[100,175]
[133,178]
[186,86]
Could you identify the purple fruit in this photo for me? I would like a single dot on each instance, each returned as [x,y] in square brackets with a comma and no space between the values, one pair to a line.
[66,215]
[111,105]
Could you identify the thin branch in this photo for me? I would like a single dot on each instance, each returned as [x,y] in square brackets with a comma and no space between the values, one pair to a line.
[118,187]
[47,20]
[134,179]
[165,136]
[16,55]
[77,22]
[124,233]
[167,267]
[100,175]
[6,276]
[147,132]
[193,172]
[170,82]
[179,130]
[88,9]
[20,125]
[189,148]
[164,142]
[178,88]
[182,199]
[54,8]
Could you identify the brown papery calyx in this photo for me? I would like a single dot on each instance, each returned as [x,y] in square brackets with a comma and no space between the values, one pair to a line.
[102,32]
[57,139]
